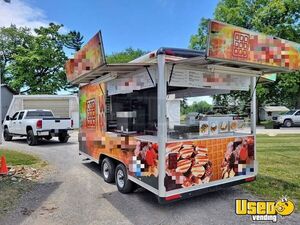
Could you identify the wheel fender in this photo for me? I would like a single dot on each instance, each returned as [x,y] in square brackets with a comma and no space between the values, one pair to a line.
[289,120]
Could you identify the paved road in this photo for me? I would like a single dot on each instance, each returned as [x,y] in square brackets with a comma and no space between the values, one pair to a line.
[282,130]
[74,193]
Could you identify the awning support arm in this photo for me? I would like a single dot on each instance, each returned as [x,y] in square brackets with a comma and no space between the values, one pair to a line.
[171,73]
[251,96]
[101,89]
[150,75]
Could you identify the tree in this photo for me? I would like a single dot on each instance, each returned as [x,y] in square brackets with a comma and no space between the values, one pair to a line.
[11,38]
[33,60]
[200,107]
[38,67]
[125,56]
[73,40]
[279,18]
[199,41]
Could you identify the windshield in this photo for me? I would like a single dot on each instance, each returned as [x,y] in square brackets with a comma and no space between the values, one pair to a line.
[290,112]
[38,114]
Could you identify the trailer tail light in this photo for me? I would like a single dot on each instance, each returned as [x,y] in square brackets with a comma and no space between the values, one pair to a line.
[72,123]
[173,197]
[169,52]
[249,179]
[39,124]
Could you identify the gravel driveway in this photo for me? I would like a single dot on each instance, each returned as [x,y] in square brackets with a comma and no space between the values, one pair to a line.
[75,193]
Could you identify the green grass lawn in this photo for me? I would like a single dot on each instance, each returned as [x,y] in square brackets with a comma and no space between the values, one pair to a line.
[11,191]
[14,158]
[279,167]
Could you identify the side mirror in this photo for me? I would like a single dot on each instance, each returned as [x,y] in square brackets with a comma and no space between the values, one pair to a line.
[7,117]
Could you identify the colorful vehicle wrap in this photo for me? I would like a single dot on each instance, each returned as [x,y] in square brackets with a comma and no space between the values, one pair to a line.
[233,43]
[190,163]
[86,59]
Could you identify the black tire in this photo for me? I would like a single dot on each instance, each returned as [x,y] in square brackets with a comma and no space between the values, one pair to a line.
[108,170]
[31,139]
[124,185]
[7,136]
[288,123]
[63,138]
[48,138]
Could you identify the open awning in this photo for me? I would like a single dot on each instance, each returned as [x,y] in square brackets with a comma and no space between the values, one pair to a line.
[206,62]
[117,69]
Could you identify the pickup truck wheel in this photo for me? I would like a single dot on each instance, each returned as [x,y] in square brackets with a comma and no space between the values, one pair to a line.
[63,138]
[31,139]
[288,123]
[124,185]
[108,170]
[7,135]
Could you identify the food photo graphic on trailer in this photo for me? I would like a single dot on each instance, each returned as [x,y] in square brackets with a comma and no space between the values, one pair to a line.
[131,122]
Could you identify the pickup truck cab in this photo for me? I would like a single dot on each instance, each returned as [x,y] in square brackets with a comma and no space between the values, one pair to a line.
[35,125]
[288,119]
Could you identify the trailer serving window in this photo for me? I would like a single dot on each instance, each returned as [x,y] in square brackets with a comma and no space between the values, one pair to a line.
[184,85]
[132,104]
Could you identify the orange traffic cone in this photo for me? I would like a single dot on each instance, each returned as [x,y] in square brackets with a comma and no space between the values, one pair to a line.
[3,168]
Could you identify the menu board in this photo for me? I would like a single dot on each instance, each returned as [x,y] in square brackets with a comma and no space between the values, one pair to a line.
[203,128]
[223,126]
[233,125]
[200,79]
[212,126]
[129,83]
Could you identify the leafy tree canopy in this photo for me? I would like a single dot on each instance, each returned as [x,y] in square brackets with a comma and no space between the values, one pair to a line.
[200,107]
[125,56]
[33,61]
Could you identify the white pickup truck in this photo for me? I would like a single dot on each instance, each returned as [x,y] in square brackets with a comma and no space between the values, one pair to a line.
[288,119]
[36,124]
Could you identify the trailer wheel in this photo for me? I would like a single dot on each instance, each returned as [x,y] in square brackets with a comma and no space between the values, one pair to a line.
[108,170]
[124,185]
[7,135]
[31,139]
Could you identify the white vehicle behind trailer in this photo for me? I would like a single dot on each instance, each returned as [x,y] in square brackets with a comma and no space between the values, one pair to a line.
[36,124]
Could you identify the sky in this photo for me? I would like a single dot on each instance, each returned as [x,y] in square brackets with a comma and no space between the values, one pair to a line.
[143,24]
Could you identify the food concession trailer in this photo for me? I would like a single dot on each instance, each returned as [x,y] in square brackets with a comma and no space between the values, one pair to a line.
[131,122]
